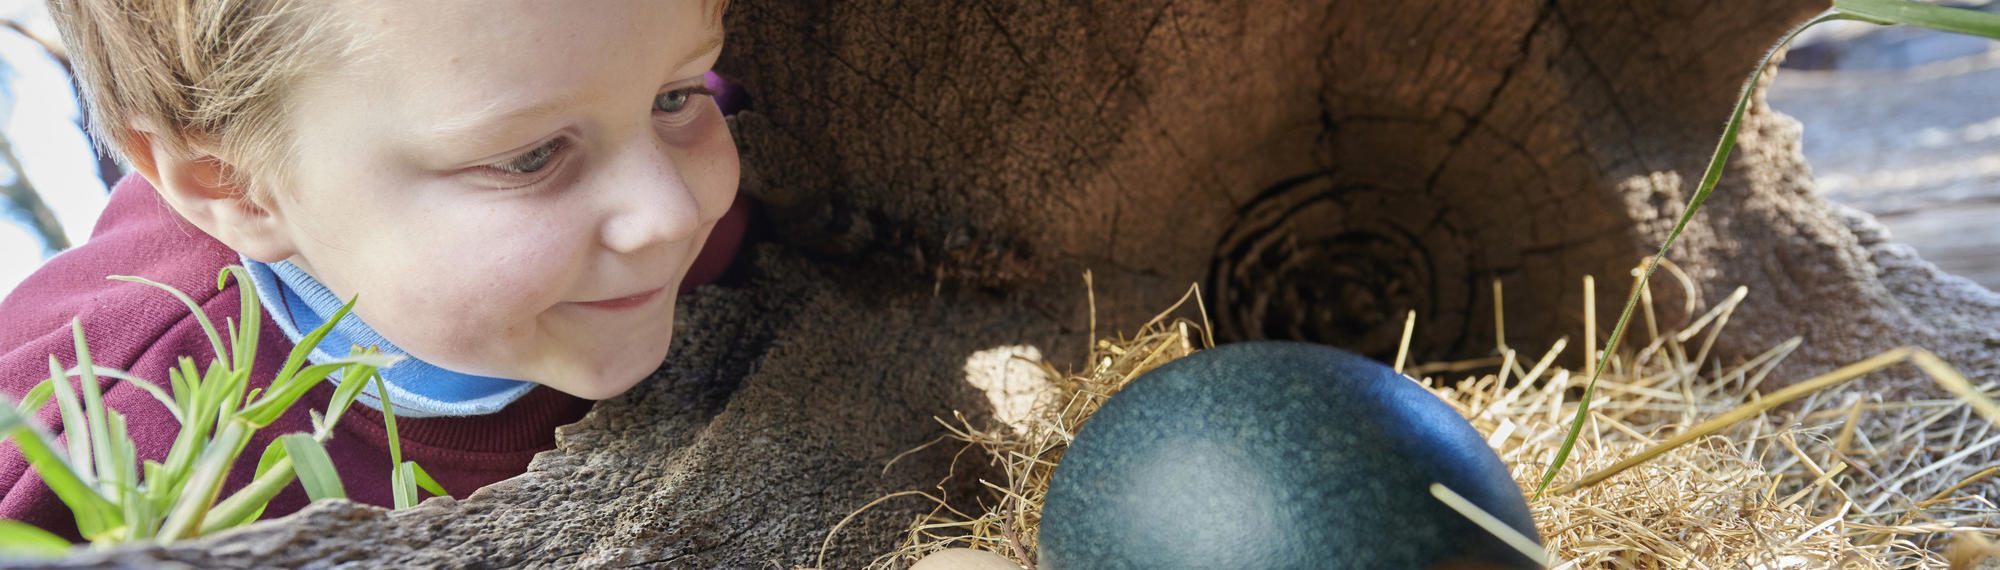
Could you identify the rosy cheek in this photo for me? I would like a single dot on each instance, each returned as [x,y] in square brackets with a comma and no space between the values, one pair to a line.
[507,271]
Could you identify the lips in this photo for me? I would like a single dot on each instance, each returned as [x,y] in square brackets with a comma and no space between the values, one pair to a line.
[623,303]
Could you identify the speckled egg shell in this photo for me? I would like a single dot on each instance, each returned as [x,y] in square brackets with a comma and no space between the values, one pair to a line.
[1275,455]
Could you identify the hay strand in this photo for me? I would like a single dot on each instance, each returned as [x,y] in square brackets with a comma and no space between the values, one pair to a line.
[1822,473]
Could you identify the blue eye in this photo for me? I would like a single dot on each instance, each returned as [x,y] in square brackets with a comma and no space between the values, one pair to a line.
[532,161]
[675,101]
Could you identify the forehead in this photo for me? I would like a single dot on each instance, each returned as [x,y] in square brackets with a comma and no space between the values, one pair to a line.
[440,59]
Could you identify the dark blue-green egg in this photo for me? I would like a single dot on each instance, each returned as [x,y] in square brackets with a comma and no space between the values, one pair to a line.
[1276,455]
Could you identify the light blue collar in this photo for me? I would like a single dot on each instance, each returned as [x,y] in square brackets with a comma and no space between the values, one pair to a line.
[298,303]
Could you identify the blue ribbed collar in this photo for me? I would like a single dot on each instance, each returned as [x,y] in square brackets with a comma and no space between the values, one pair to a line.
[419,389]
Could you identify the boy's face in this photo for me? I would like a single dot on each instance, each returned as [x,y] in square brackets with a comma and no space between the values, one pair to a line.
[514,188]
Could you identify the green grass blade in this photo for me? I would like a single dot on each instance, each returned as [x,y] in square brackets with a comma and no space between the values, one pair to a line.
[11,422]
[158,494]
[95,516]
[192,439]
[190,389]
[248,503]
[274,457]
[100,435]
[1709,178]
[22,540]
[249,319]
[201,318]
[36,397]
[74,425]
[125,477]
[389,421]
[280,398]
[314,467]
[231,387]
[274,473]
[158,393]
[204,483]
[71,412]
[344,395]
[1942,18]
[272,454]
[178,382]
[311,341]
[403,480]
[425,481]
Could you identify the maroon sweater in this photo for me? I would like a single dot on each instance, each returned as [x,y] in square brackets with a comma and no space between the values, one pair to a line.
[142,330]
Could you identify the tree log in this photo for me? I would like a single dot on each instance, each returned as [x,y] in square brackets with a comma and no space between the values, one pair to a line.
[938,176]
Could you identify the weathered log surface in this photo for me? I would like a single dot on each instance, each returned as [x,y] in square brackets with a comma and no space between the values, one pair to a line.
[940,174]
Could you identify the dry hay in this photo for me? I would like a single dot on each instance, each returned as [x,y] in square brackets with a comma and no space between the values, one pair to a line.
[1683,462]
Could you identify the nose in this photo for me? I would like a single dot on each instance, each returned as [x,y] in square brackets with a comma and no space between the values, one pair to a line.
[649,202]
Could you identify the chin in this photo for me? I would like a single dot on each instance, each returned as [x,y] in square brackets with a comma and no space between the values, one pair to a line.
[604,384]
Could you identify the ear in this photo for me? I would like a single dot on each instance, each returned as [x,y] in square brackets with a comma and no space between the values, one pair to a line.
[198,186]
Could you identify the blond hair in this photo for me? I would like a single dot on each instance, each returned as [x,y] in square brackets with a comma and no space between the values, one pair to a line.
[205,76]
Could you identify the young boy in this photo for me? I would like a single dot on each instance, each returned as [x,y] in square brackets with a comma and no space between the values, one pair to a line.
[515,190]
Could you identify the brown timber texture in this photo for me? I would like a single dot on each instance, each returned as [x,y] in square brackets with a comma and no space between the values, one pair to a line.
[940,174]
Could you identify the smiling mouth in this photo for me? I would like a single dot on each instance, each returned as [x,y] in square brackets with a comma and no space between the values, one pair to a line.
[622,303]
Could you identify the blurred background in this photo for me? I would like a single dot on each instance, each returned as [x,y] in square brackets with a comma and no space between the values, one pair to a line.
[1905,124]
[52,182]
[1901,123]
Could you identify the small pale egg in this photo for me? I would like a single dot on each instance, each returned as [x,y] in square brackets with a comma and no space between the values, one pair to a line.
[965,559]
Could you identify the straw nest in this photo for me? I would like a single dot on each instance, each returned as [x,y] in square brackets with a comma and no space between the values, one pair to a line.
[1682,463]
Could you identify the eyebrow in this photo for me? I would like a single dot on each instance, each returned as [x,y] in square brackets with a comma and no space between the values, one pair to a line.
[468,125]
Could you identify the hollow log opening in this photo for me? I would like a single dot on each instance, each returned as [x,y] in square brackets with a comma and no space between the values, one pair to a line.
[1308,260]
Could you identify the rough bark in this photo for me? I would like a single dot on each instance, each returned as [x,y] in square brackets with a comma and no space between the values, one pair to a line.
[939,175]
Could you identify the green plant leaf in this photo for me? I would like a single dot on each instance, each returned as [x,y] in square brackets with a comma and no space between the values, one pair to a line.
[275,457]
[344,395]
[403,482]
[94,411]
[36,397]
[402,474]
[311,341]
[204,483]
[164,398]
[1941,18]
[314,467]
[124,479]
[23,540]
[188,386]
[158,492]
[95,516]
[273,453]
[71,413]
[1709,177]
[162,487]
[200,317]
[425,481]
[274,473]
[250,317]
[280,398]
[230,389]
